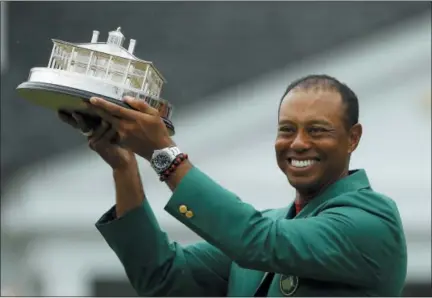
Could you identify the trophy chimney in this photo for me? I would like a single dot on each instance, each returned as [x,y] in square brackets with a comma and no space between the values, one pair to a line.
[95,36]
[131,48]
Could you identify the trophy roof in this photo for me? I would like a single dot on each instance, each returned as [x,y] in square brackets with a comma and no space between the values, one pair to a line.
[110,49]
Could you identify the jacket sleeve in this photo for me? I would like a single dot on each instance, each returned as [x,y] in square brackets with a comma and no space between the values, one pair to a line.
[156,267]
[333,246]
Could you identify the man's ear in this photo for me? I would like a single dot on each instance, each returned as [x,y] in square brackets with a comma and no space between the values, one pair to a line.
[355,134]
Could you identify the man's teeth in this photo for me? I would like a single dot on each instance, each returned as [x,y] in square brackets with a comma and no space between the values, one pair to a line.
[302,163]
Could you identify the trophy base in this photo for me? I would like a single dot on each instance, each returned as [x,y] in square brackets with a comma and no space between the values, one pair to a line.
[56,97]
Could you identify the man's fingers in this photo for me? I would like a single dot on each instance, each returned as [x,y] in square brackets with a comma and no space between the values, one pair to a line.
[104,137]
[100,132]
[111,136]
[67,118]
[141,105]
[111,108]
[106,116]
[81,122]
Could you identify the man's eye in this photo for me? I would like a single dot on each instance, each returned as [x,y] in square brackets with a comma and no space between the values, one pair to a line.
[317,130]
[286,129]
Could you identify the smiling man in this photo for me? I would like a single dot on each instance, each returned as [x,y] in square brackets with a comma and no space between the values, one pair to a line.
[317,132]
[339,238]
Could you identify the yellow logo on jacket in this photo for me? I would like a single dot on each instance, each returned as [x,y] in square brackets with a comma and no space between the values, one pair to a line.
[288,284]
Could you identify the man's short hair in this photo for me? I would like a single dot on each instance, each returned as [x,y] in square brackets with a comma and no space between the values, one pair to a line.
[349,98]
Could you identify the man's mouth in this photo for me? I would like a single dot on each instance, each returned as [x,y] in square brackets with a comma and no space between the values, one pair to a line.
[302,164]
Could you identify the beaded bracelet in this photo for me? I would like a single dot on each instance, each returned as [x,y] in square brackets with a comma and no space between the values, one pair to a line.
[179,159]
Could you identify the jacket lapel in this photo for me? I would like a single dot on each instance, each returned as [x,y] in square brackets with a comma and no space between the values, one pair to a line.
[287,212]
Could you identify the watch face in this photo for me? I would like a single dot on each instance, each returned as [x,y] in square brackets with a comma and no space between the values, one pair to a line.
[161,161]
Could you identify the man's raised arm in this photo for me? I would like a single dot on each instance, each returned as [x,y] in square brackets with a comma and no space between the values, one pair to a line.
[154,266]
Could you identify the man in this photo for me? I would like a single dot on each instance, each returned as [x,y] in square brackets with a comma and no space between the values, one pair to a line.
[339,238]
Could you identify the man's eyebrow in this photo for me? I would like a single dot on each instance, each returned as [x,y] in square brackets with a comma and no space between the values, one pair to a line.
[316,121]
[320,121]
[285,121]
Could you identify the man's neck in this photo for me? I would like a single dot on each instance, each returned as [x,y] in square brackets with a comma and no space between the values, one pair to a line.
[303,197]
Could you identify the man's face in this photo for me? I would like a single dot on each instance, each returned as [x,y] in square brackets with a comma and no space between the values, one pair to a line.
[313,144]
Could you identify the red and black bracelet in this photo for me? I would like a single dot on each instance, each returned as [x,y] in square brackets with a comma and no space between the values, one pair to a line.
[179,159]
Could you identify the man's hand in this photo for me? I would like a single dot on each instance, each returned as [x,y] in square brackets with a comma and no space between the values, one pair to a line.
[141,130]
[100,141]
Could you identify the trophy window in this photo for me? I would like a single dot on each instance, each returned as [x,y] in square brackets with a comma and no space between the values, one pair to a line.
[137,75]
[154,84]
[59,58]
[131,94]
[79,60]
[150,100]
[98,65]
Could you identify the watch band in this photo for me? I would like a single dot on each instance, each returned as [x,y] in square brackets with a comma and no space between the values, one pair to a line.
[175,151]
[180,158]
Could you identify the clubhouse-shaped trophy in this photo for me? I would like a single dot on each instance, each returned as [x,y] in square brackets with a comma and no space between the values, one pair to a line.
[78,71]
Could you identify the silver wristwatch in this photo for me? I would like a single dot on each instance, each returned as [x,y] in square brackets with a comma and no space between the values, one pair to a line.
[163,158]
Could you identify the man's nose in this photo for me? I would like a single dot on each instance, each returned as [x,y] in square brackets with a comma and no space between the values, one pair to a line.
[300,143]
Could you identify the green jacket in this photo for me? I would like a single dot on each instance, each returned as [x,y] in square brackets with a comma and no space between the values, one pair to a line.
[349,241]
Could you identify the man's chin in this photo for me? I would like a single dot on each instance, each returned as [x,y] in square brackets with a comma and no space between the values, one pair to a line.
[302,183]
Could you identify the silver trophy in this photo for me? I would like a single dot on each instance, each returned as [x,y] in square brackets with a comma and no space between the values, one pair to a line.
[78,71]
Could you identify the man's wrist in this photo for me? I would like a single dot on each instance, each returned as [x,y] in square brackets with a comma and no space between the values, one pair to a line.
[130,167]
[175,178]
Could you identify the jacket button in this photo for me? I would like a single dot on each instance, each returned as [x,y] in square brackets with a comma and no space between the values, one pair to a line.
[189,214]
[183,209]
